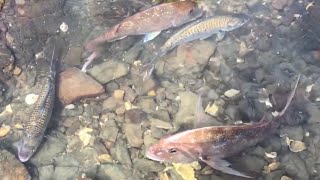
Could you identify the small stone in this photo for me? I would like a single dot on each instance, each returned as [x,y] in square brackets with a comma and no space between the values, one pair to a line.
[231,93]
[133,133]
[128,105]
[31,99]
[64,27]
[71,83]
[161,124]
[309,88]
[4,130]
[152,93]
[70,106]
[240,60]
[273,166]
[17,71]
[212,109]
[105,158]
[18,126]
[109,70]
[118,94]
[285,178]
[295,146]
[271,155]
[84,135]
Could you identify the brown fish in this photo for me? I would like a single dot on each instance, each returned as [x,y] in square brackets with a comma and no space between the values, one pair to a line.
[149,22]
[212,144]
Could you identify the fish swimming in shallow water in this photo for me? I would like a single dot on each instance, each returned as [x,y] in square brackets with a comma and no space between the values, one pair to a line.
[39,117]
[149,22]
[201,30]
[212,144]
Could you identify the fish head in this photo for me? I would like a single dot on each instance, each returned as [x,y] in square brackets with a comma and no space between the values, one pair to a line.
[186,11]
[26,148]
[171,152]
[237,21]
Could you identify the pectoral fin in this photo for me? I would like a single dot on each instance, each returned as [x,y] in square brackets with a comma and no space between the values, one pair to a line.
[220,36]
[150,36]
[222,165]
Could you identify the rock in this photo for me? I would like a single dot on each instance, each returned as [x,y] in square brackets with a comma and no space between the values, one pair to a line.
[4,130]
[118,94]
[231,93]
[54,145]
[84,135]
[161,124]
[110,104]
[108,71]
[279,4]
[133,133]
[114,171]
[17,71]
[73,57]
[285,178]
[110,131]
[147,165]
[46,172]
[31,99]
[65,172]
[135,115]
[70,106]
[188,59]
[120,153]
[294,166]
[11,168]
[186,109]
[212,109]
[293,132]
[75,85]
[105,158]
[295,146]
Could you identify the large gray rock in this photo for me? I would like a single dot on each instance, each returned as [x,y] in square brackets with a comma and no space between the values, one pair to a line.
[109,70]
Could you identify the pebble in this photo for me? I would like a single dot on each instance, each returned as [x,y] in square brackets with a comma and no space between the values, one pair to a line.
[285,178]
[152,93]
[84,135]
[31,99]
[271,155]
[64,27]
[108,71]
[71,83]
[295,146]
[147,165]
[17,71]
[133,133]
[11,168]
[161,124]
[70,106]
[231,93]
[212,109]
[4,130]
[105,158]
[118,94]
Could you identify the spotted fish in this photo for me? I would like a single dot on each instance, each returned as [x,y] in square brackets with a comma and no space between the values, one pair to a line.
[214,143]
[149,22]
[200,29]
[39,117]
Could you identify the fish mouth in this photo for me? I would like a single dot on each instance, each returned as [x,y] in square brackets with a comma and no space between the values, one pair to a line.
[197,13]
[150,155]
[24,157]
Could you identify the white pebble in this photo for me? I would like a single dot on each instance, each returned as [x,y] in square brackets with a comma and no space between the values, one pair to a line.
[271,155]
[31,99]
[309,88]
[70,106]
[231,92]
[64,27]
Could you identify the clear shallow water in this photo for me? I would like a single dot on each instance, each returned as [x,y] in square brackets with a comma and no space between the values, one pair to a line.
[106,137]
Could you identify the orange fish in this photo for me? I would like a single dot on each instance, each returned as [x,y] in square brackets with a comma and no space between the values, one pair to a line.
[212,144]
[149,22]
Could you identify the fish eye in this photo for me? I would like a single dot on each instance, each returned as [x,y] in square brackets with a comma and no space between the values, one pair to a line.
[172,150]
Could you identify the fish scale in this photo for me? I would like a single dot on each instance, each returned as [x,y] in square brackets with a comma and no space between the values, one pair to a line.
[41,113]
[195,30]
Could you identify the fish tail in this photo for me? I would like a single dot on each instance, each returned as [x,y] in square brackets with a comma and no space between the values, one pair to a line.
[149,68]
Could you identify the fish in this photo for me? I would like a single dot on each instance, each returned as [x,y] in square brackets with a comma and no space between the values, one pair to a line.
[149,22]
[40,116]
[201,29]
[214,143]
